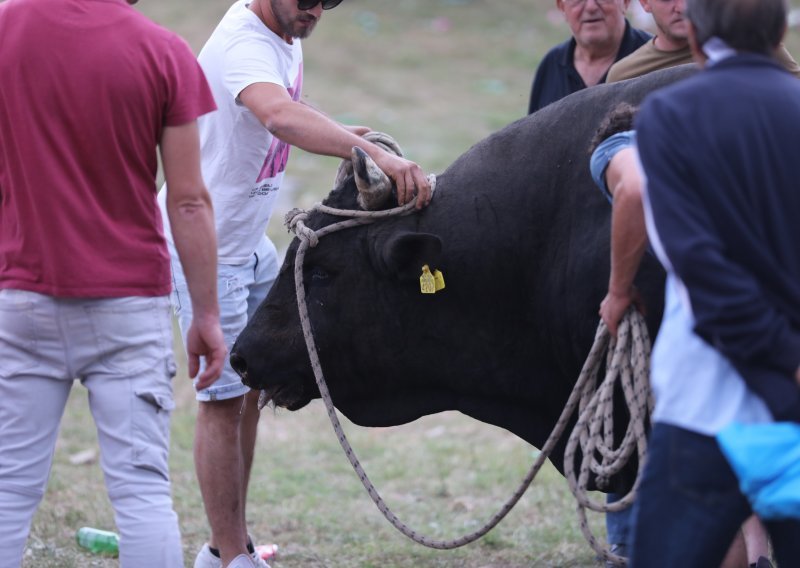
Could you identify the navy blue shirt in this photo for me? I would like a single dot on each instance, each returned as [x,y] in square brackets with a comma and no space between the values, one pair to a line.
[720,153]
[557,77]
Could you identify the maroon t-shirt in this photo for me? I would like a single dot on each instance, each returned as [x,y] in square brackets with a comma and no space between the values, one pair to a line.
[87,88]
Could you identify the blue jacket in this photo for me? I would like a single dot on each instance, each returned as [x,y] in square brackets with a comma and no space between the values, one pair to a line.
[720,150]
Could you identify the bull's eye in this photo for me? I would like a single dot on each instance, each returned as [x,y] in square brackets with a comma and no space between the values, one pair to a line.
[318,276]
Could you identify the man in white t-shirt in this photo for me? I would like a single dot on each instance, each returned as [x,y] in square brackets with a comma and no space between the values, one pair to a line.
[254,64]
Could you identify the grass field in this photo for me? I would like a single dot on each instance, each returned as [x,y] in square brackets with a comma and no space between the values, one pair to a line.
[438,75]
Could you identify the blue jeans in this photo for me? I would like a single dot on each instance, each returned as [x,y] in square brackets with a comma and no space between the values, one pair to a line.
[121,350]
[241,289]
[618,523]
[689,506]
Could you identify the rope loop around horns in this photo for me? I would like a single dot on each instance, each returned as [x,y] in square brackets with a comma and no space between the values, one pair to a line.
[379,139]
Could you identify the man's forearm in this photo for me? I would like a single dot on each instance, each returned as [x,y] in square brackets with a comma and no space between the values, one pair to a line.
[628,239]
[192,225]
[300,124]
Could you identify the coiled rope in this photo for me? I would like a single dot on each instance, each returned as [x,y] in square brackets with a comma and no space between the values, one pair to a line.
[627,360]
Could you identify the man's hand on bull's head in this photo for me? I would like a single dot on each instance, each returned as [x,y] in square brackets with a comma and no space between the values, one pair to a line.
[408,178]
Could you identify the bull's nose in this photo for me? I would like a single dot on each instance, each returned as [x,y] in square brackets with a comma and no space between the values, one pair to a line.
[239,364]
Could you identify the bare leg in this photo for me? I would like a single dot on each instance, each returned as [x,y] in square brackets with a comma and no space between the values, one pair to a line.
[220,472]
[737,553]
[755,539]
[247,441]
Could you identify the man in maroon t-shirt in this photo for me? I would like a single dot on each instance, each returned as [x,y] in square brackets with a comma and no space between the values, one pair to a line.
[90,90]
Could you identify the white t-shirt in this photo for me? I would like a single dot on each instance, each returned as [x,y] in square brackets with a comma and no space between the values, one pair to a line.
[242,163]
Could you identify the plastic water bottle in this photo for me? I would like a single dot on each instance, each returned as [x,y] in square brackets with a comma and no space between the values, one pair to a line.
[98,541]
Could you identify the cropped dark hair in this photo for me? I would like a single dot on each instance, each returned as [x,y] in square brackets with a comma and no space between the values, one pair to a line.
[745,25]
[620,119]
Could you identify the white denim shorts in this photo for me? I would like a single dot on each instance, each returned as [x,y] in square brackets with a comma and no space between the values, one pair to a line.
[241,289]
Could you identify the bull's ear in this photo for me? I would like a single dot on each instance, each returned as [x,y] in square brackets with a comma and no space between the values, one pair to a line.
[405,253]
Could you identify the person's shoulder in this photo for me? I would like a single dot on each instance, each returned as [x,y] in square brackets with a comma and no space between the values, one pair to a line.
[632,40]
[147,30]
[787,61]
[679,94]
[169,42]
[553,60]
[667,105]
[640,35]
[634,37]
[241,28]
[749,75]
[558,51]
[630,65]
[647,59]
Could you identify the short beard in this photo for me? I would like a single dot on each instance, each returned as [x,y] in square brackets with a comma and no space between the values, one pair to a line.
[290,26]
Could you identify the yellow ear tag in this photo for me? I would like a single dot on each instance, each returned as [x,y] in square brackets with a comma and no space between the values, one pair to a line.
[427,283]
[438,279]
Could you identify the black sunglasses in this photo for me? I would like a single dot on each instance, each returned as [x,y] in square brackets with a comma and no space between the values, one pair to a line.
[326,4]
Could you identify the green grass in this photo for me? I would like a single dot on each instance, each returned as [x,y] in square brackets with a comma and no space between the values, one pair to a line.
[444,475]
[438,75]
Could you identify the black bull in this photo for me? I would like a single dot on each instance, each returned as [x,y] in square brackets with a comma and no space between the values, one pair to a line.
[521,235]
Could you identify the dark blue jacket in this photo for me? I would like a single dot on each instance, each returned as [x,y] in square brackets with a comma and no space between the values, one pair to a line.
[720,150]
[556,76]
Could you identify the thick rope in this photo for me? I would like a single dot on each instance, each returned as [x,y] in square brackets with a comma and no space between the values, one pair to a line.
[627,361]
[595,409]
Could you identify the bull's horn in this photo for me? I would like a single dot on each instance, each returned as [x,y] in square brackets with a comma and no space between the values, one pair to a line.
[374,186]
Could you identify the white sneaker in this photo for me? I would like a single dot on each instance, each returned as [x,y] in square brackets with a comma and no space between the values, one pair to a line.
[242,561]
[258,561]
[206,559]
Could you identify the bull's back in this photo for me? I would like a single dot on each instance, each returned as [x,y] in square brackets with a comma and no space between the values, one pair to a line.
[531,232]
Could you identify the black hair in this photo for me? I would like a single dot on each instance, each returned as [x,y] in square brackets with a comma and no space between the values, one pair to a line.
[619,119]
[746,25]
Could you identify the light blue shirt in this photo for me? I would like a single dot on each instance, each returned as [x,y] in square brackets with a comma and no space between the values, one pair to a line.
[602,155]
[694,385]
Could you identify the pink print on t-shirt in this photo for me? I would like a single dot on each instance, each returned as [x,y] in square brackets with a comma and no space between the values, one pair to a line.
[278,153]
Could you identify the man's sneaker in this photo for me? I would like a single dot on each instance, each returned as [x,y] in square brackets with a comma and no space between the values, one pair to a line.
[242,561]
[208,558]
[258,561]
[205,559]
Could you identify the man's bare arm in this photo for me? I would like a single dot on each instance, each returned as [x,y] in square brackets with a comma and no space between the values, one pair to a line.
[301,125]
[628,237]
[192,220]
